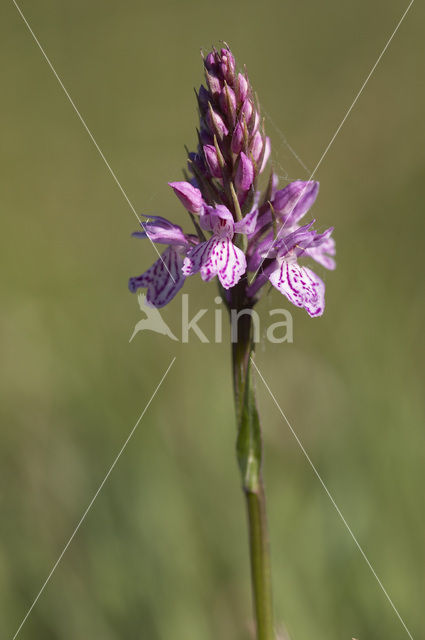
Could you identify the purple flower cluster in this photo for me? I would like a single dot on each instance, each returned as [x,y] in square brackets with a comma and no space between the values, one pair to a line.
[238,230]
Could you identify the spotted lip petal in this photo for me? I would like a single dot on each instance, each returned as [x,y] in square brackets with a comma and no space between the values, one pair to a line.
[196,257]
[229,261]
[301,286]
[161,288]
[216,257]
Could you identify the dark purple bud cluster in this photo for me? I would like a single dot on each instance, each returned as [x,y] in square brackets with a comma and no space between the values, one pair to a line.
[233,148]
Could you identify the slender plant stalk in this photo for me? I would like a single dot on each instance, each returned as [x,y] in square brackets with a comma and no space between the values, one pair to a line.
[260,563]
[249,454]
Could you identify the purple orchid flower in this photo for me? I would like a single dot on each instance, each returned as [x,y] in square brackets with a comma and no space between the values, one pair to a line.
[218,256]
[299,284]
[279,252]
[246,231]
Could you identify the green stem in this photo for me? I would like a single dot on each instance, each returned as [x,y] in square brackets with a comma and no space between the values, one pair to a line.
[260,563]
[249,453]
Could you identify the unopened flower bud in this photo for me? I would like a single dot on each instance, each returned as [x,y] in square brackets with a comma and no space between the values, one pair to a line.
[247,110]
[237,138]
[210,61]
[212,160]
[189,196]
[227,65]
[244,173]
[205,135]
[204,98]
[242,88]
[256,146]
[227,102]
[216,123]
[214,83]
[212,73]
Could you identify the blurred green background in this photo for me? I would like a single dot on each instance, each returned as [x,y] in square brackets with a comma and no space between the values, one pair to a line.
[163,552]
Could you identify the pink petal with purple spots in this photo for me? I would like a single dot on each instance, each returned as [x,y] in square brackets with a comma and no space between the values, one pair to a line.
[161,288]
[216,257]
[301,286]
[228,261]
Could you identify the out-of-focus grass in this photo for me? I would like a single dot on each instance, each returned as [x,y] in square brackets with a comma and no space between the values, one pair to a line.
[163,552]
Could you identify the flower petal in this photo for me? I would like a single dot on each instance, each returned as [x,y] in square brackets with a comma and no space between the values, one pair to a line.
[158,279]
[293,202]
[217,219]
[196,257]
[322,249]
[161,230]
[266,154]
[230,262]
[301,286]
[248,223]
[189,196]
[258,251]
[216,257]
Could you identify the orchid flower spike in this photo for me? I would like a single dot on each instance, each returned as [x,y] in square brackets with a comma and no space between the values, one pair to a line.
[242,238]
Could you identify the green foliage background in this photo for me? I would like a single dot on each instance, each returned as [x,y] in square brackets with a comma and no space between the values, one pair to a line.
[163,552]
